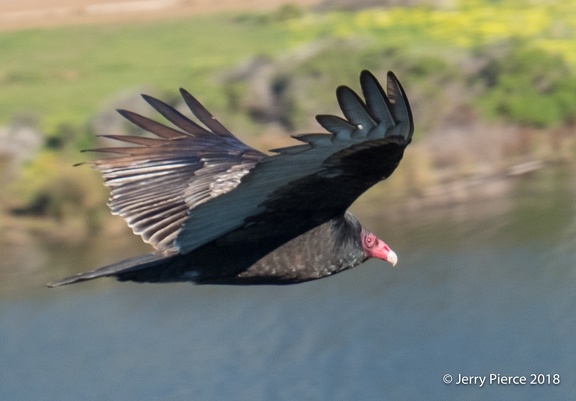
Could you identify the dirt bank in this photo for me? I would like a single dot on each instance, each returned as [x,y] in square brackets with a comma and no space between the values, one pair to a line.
[23,14]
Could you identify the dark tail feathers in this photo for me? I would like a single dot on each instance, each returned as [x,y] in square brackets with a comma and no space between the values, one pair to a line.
[119,268]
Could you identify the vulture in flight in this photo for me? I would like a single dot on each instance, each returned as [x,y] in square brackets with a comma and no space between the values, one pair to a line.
[218,211]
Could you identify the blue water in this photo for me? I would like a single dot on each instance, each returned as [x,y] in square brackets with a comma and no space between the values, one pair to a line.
[463,300]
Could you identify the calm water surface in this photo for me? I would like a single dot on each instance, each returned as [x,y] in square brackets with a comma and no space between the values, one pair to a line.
[484,290]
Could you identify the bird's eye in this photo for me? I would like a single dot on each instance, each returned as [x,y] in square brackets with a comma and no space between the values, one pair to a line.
[369,240]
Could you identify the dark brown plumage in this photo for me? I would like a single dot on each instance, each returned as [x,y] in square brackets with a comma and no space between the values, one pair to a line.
[218,211]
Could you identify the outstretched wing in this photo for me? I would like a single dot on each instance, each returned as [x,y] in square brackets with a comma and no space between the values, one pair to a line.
[154,185]
[194,184]
[304,186]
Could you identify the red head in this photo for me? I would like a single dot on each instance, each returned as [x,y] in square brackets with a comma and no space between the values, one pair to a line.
[374,247]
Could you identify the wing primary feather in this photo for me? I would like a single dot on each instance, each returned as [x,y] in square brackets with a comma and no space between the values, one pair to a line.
[127,150]
[138,140]
[399,103]
[376,100]
[119,150]
[313,139]
[204,115]
[151,125]
[354,108]
[335,125]
[174,116]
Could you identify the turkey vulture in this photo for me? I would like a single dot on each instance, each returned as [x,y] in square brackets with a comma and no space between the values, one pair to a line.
[220,212]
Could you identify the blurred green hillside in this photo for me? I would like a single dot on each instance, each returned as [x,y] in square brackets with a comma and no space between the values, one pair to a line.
[500,73]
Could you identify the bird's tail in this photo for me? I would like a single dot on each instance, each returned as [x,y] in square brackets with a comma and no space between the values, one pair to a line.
[118,269]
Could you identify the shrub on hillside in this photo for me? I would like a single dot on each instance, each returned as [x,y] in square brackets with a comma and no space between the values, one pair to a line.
[530,87]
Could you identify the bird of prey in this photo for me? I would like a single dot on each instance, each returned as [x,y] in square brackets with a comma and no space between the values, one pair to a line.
[217,211]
